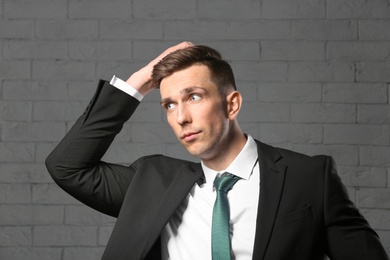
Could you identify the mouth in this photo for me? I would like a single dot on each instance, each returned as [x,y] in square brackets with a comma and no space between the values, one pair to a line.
[190,136]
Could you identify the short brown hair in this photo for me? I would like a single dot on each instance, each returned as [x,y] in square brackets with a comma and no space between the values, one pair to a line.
[220,70]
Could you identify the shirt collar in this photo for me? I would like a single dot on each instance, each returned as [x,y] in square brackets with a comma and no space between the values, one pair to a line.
[242,165]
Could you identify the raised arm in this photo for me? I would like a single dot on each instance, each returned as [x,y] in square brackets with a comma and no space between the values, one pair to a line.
[75,164]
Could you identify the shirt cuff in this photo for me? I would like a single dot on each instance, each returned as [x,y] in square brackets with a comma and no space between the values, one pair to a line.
[120,84]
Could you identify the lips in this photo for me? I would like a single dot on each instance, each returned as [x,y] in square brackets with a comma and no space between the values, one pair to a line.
[189,136]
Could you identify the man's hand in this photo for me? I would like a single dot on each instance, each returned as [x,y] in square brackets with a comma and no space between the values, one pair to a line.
[141,79]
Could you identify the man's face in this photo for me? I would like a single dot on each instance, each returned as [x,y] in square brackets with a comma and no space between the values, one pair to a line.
[196,111]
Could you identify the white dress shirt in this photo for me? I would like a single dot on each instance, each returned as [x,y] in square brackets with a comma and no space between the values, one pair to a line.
[188,233]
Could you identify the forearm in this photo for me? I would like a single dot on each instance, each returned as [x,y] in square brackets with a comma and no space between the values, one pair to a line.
[75,164]
[93,132]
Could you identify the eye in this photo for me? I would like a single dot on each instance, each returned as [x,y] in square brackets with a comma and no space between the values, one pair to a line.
[195,97]
[170,106]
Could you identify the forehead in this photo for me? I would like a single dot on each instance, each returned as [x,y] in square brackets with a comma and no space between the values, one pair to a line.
[194,76]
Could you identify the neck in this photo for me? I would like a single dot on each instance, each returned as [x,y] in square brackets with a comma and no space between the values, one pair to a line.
[232,146]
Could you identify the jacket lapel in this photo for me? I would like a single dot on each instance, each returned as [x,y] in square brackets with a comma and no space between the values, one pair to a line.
[148,206]
[272,175]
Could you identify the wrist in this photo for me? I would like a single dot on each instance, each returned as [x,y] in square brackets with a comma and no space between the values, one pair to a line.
[141,81]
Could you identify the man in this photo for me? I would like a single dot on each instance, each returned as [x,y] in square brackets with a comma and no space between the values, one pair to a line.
[285,205]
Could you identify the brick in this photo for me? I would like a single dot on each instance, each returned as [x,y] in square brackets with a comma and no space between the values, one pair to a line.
[11,152]
[21,29]
[104,235]
[148,112]
[374,198]
[123,70]
[102,50]
[85,253]
[195,29]
[153,97]
[375,156]
[248,90]
[321,72]
[260,71]
[259,30]
[251,129]
[152,133]
[63,70]
[179,9]
[290,133]
[264,112]
[147,50]
[15,111]
[228,10]
[131,29]
[374,114]
[324,30]
[40,9]
[10,69]
[64,236]
[41,175]
[23,173]
[363,176]
[51,194]
[356,134]
[231,50]
[81,90]
[373,72]
[15,236]
[345,9]
[354,93]
[292,51]
[23,215]
[42,150]
[82,215]
[296,9]
[374,30]
[115,9]
[33,131]
[57,111]
[343,154]
[357,51]
[289,92]
[30,253]
[378,219]
[17,49]
[15,193]
[66,29]
[325,113]
[388,172]
[33,90]
[237,50]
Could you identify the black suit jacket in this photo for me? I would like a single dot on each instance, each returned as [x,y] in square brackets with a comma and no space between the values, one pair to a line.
[304,211]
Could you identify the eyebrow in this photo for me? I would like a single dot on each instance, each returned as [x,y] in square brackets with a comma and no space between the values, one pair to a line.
[183,92]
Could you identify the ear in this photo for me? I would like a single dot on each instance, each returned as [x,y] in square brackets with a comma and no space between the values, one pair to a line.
[234,101]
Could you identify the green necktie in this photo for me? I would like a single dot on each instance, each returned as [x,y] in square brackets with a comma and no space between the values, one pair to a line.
[220,235]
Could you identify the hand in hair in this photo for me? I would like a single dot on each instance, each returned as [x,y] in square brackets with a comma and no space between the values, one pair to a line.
[141,79]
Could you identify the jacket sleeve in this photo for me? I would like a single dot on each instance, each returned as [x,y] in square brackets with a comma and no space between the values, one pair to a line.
[75,164]
[349,235]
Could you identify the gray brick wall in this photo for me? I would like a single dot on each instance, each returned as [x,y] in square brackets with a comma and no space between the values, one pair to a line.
[315,76]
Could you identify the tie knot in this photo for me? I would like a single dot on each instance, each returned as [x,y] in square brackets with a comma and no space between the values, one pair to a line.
[225,182]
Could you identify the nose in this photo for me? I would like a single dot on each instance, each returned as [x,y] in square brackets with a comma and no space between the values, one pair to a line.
[183,115]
